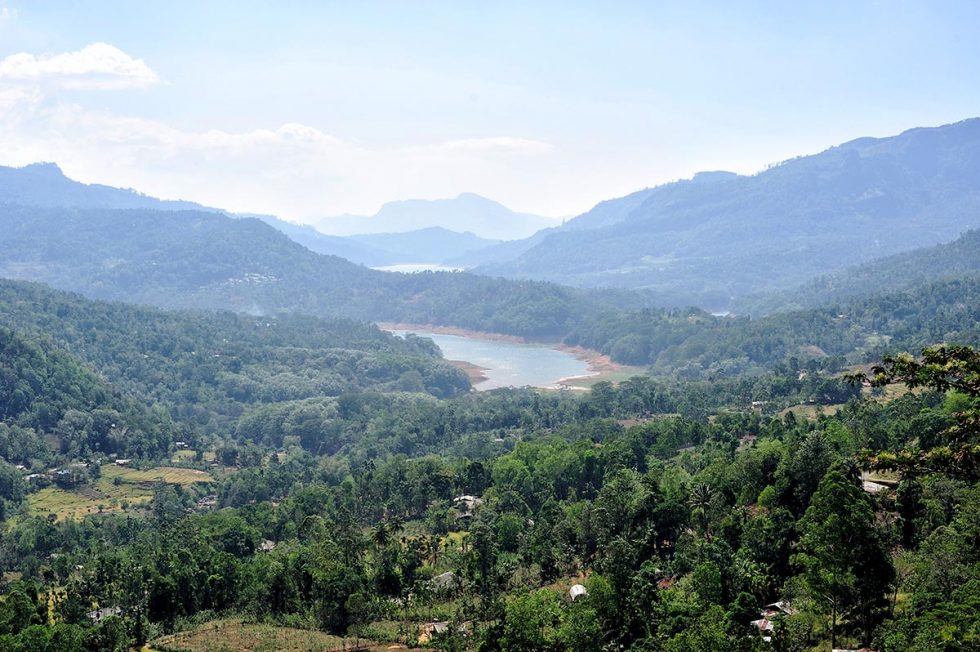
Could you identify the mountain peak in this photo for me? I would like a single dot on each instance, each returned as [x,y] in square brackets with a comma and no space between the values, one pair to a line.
[709,176]
[467,212]
[44,169]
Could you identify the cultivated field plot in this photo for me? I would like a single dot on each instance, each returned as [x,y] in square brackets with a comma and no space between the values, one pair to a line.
[232,635]
[168,474]
[117,489]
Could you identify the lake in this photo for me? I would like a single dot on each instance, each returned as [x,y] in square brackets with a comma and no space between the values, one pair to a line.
[414,268]
[507,364]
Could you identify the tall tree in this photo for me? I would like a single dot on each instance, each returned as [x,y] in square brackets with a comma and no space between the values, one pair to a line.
[844,563]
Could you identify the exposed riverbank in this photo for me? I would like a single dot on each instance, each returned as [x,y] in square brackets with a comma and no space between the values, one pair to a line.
[474,372]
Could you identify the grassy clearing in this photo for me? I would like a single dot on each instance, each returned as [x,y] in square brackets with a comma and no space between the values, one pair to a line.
[889,392]
[812,412]
[185,455]
[77,504]
[168,474]
[612,376]
[107,494]
[885,394]
[232,635]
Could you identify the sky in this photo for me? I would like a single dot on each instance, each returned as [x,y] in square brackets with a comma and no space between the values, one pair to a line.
[309,109]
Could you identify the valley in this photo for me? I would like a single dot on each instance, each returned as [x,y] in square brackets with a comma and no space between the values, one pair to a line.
[276,372]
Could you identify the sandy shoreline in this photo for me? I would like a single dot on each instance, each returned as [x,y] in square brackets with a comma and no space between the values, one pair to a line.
[461,332]
[473,371]
[599,363]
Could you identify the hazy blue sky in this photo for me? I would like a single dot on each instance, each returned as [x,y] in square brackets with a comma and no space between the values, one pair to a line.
[310,109]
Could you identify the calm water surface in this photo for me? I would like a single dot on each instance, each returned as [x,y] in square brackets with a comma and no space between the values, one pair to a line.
[414,268]
[507,364]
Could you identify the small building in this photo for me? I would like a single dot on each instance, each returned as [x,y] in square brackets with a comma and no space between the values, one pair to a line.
[267,546]
[207,502]
[468,503]
[576,592]
[123,462]
[428,630]
[445,581]
[765,627]
[99,615]
[779,607]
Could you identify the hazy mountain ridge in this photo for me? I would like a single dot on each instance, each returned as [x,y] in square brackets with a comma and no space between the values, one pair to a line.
[434,244]
[193,259]
[712,238]
[329,245]
[44,184]
[467,212]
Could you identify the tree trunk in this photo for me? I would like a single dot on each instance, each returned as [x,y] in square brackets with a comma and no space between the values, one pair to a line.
[833,625]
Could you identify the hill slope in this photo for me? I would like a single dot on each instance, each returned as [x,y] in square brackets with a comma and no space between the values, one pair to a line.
[957,259]
[44,184]
[207,365]
[193,259]
[720,235]
[431,245]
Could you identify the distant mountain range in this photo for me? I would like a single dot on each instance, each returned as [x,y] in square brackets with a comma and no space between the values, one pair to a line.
[720,236]
[468,212]
[793,236]
[208,260]
[44,184]
[433,245]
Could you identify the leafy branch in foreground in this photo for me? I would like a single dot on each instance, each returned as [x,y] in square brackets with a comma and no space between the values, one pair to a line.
[942,368]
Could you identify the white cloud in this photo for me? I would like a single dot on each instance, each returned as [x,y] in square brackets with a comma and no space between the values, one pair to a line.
[501,144]
[295,170]
[6,13]
[96,66]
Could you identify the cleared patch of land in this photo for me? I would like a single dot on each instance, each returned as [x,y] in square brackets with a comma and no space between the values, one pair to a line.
[168,474]
[881,395]
[233,635]
[610,375]
[118,488]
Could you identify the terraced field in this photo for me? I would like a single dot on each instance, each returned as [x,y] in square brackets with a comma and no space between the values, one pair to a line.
[117,489]
[232,635]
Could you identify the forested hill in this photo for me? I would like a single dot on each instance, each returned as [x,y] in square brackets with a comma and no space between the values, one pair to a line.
[206,367]
[959,258]
[693,344]
[52,405]
[719,236]
[193,259]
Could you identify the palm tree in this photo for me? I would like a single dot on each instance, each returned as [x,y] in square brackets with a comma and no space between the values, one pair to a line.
[700,503]
[395,524]
[433,550]
[381,535]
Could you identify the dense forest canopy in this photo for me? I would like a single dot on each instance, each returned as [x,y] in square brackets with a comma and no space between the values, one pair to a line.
[326,474]
[680,529]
